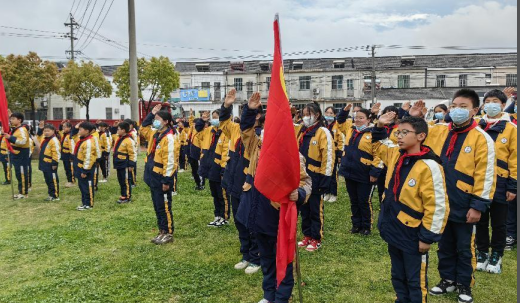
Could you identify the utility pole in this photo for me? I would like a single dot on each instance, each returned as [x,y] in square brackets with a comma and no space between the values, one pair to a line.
[134,95]
[373,74]
[72,25]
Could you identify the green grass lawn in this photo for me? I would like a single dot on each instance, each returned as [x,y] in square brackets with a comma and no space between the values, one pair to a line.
[49,252]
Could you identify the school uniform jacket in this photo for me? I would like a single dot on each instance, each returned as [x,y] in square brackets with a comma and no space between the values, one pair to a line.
[193,140]
[50,153]
[85,155]
[339,139]
[95,136]
[468,158]
[257,212]
[160,157]
[3,149]
[20,142]
[105,142]
[214,155]
[67,146]
[124,153]
[415,205]
[360,160]
[504,134]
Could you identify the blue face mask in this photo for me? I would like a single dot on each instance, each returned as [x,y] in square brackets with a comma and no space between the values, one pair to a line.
[439,116]
[361,128]
[459,115]
[215,122]
[492,109]
[157,124]
[329,119]
[515,109]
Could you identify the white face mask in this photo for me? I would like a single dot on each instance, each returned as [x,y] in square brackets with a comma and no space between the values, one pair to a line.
[309,121]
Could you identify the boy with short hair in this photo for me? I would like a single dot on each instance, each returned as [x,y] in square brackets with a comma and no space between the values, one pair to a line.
[85,156]
[67,150]
[124,161]
[50,154]
[105,144]
[415,208]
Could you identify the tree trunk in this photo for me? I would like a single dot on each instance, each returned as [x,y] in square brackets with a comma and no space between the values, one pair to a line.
[33,109]
[87,106]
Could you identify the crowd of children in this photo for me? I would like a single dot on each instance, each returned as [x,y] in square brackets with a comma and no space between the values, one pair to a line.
[441,179]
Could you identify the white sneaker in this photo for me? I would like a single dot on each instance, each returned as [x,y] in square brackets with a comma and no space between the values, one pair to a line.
[495,264]
[19,197]
[242,265]
[103,181]
[181,171]
[174,193]
[252,269]
[264,301]
[326,198]
[482,261]
[333,199]
[69,185]
[214,223]
[83,208]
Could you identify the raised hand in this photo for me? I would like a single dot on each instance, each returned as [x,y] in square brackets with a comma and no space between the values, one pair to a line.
[417,109]
[230,98]
[386,119]
[407,106]
[348,107]
[116,123]
[191,112]
[509,91]
[156,109]
[376,108]
[254,101]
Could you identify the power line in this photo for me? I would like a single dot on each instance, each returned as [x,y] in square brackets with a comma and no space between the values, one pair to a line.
[88,20]
[36,36]
[100,25]
[76,10]
[70,12]
[31,30]
[95,23]
[85,12]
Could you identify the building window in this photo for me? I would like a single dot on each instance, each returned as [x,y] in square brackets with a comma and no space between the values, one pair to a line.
[186,85]
[57,113]
[69,113]
[403,81]
[297,65]
[398,105]
[238,84]
[268,83]
[511,80]
[350,84]
[108,112]
[339,106]
[201,68]
[305,83]
[463,80]
[337,82]
[249,87]
[489,78]
[357,105]
[441,81]
[216,87]
[205,85]
[265,66]
[339,64]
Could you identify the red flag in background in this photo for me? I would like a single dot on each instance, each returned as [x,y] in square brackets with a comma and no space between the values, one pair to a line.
[278,171]
[4,116]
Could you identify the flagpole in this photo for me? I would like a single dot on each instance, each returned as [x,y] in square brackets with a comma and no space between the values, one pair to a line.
[11,173]
[299,274]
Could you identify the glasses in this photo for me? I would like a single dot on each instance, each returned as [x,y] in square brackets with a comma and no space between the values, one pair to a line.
[403,133]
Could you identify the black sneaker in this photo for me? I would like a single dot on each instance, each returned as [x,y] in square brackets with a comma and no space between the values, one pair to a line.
[355,230]
[7,183]
[510,243]
[154,240]
[465,295]
[444,287]
[164,239]
[482,260]
[365,232]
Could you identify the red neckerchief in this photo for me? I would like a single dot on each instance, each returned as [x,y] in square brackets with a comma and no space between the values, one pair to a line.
[330,126]
[12,130]
[119,140]
[356,134]
[238,146]
[46,139]
[81,142]
[456,134]
[397,181]
[390,129]
[308,130]
[160,137]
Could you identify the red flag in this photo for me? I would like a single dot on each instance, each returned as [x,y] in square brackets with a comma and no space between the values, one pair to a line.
[4,116]
[278,171]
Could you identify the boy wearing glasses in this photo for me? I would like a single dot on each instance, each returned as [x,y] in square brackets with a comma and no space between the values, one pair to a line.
[415,208]
[468,157]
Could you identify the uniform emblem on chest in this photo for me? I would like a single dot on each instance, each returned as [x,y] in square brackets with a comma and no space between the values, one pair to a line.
[368,137]
[468,150]
[504,140]
[412,182]
[158,146]
[314,142]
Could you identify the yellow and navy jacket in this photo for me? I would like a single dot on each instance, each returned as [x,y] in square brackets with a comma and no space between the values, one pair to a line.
[160,157]
[20,142]
[360,160]
[50,153]
[105,142]
[317,146]
[95,136]
[178,146]
[339,140]
[214,155]
[67,146]
[4,151]
[504,134]
[469,159]
[235,173]
[415,205]
[124,153]
[193,140]
[257,212]
[85,155]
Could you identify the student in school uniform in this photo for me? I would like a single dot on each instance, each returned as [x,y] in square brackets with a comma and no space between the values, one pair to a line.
[213,161]
[468,157]
[99,155]
[361,167]
[32,146]
[4,158]
[19,139]
[85,156]
[124,159]
[183,129]
[194,146]
[159,169]
[317,146]
[50,154]
[262,215]
[331,195]
[67,150]
[135,135]
[498,126]
[105,144]
[415,208]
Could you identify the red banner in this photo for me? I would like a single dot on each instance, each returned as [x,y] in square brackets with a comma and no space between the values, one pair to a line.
[4,116]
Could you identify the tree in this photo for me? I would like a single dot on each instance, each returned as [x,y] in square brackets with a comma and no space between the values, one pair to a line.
[83,82]
[158,76]
[26,79]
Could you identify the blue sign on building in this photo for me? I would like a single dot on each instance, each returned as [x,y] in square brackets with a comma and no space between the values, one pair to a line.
[195,95]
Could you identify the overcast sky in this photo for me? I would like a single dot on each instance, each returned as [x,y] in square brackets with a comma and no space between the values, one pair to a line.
[178,25]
